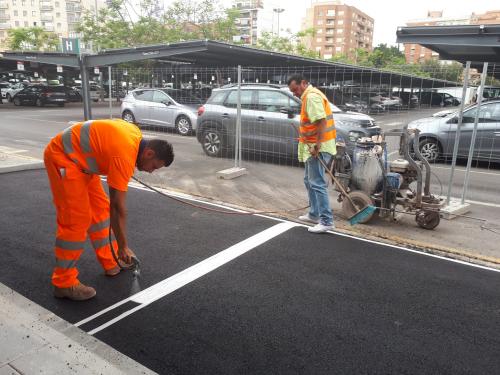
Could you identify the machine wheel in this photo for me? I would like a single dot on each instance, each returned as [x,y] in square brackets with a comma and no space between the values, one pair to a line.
[427,219]
[183,125]
[16,101]
[361,200]
[430,149]
[128,116]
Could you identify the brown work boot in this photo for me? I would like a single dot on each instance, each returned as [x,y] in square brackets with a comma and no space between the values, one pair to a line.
[116,270]
[78,292]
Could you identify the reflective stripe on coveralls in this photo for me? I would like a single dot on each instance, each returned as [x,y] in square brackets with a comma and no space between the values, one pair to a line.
[84,146]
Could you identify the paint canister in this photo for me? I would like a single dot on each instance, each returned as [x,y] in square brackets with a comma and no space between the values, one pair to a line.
[366,174]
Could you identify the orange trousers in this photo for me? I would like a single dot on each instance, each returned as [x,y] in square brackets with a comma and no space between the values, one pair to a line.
[82,209]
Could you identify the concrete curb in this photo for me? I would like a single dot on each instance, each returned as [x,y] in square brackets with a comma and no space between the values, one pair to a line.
[34,340]
[17,163]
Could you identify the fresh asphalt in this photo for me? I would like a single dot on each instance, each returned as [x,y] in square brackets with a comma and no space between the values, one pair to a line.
[296,304]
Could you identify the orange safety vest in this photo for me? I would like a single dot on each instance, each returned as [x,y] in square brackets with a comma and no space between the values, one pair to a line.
[308,131]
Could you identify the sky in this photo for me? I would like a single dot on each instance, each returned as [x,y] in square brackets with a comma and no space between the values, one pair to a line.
[388,14]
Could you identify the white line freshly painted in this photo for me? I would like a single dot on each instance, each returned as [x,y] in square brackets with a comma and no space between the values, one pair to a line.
[177,281]
[36,119]
[487,204]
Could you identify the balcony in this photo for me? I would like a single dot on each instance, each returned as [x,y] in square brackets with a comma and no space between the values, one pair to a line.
[4,17]
[46,6]
[4,5]
[4,25]
[73,20]
[47,17]
[48,27]
[73,8]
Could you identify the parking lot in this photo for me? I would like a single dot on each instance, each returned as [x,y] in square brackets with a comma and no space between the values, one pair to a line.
[252,294]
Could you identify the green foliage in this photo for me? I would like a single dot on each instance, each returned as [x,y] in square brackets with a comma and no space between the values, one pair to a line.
[120,26]
[291,43]
[32,39]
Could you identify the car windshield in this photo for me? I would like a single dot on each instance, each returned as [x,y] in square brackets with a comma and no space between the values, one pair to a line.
[182,96]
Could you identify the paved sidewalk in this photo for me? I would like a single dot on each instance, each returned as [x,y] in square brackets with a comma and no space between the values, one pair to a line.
[35,341]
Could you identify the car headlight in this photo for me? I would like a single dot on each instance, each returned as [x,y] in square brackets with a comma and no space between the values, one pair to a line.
[354,136]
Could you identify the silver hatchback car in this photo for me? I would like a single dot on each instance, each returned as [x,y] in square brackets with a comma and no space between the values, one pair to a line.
[164,107]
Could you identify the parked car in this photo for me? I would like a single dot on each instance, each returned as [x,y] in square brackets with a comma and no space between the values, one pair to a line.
[437,134]
[162,107]
[41,95]
[95,91]
[3,88]
[441,99]
[387,102]
[267,114]
[410,100]
[72,95]
[14,89]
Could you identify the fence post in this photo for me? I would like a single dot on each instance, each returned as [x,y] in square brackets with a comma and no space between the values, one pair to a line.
[474,132]
[457,132]
[237,143]
[110,93]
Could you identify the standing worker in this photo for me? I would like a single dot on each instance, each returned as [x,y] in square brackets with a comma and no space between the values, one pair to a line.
[316,141]
[74,159]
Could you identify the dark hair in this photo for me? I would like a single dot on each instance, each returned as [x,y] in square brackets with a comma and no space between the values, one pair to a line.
[298,78]
[163,150]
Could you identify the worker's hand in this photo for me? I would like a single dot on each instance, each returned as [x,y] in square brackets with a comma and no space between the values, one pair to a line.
[125,255]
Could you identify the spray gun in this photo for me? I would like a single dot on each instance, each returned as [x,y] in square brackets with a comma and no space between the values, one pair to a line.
[136,269]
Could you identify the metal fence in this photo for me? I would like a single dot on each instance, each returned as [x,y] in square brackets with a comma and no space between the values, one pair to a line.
[203,103]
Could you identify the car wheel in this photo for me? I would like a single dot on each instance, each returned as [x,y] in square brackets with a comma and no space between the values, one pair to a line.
[430,149]
[128,116]
[39,103]
[183,125]
[17,101]
[213,142]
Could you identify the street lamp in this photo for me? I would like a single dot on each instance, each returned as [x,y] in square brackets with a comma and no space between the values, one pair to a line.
[278,10]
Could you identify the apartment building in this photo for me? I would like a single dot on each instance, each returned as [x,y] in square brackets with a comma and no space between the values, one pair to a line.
[58,16]
[416,53]
[255,18]
[339,29]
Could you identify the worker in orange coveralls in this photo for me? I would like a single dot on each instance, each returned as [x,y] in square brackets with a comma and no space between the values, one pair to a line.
[74,159]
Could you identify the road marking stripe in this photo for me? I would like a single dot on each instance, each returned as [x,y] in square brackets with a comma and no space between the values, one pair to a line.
[36,119]
[177,281]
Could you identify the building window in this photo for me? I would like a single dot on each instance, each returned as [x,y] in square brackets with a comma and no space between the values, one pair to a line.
[58,15]
[59,25]
[319,22]
[25,13]
[14,2]
[338,49]
[26,24]
[339,40]
[15,13]
[23,3]
[319,31]
[330,12]
[320,13]
[33,13]
[340,31]
[32,3]
[341,13]
[340,22]
[17,23]
[57,4]
[319,40]
[318,49]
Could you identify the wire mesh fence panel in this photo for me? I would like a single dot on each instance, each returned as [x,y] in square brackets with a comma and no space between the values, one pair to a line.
[202,102]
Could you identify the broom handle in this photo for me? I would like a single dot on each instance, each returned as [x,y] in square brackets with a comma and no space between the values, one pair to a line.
[335,180]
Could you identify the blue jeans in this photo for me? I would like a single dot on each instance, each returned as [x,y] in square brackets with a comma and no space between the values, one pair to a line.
[317,188]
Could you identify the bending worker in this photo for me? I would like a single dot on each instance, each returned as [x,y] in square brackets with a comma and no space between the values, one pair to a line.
[316,141]
[74,159]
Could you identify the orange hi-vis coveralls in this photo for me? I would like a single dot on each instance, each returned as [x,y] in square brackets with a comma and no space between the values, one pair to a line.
[74,159]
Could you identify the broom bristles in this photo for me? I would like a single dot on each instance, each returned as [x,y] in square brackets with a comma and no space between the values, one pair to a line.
[361,214]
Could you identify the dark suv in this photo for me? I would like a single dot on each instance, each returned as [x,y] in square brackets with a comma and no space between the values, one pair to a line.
[269,116]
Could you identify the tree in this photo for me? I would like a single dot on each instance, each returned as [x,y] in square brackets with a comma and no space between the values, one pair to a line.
[119,25]
[33,39]
[291,43]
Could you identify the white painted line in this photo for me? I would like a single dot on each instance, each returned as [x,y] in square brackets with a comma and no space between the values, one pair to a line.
[36,119]
[487,204]
[177,281]
[472,171]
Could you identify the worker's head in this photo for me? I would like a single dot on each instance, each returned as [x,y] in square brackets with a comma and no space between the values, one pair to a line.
[156,154]
[297,84]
